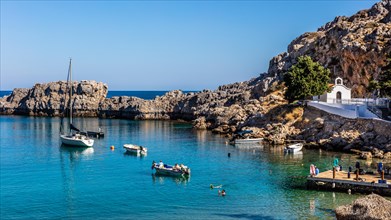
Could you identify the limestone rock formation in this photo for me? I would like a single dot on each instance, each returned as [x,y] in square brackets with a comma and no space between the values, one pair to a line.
[353,48]
[368,207]
[48,99]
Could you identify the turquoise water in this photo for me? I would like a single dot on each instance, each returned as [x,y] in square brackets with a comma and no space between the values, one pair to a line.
[40,179]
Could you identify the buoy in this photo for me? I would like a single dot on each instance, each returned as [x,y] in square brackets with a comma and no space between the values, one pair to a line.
[112,147]
[333,185]
[349,191]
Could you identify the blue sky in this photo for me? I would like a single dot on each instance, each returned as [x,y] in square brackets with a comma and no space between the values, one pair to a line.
[155,45]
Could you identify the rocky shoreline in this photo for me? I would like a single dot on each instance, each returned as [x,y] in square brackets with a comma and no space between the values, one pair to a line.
[347,45]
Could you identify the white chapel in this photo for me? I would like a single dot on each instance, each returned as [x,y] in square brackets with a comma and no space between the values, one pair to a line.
[339,93]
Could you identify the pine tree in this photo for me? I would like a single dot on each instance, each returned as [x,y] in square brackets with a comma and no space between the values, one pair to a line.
[306,78]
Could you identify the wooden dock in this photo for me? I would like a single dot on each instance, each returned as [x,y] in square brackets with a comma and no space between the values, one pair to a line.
[366,183]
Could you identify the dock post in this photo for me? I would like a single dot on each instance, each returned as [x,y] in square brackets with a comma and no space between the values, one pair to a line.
[382,175]
[357,171]
[333,172]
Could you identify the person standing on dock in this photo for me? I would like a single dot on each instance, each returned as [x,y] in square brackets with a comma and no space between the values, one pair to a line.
[336,162]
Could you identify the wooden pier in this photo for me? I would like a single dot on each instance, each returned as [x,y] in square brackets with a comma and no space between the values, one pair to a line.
[339,181]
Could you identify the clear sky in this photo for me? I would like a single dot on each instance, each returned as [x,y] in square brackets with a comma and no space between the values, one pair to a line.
[153,45]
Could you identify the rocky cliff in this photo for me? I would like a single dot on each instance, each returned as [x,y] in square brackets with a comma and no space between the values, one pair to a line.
[355,46]
[48,99]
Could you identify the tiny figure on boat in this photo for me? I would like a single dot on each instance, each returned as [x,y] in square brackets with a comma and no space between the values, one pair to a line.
[176,167]
[161,164]
[316,170]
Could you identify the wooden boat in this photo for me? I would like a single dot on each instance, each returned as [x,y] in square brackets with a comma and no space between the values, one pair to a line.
[74,137]
[131,148]
[293,148]
[168,170]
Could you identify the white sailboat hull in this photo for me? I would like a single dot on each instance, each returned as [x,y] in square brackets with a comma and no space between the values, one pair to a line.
[77,141]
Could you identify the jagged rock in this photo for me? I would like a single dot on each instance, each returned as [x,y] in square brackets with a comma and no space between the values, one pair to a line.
[366,155]
[368,207]
[200,123]
[354,47]
[387,156]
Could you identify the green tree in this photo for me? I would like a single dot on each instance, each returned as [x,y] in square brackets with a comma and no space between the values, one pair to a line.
[384,79]
[306,78]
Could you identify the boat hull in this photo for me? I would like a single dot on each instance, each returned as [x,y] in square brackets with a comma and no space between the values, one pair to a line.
[168,172]
[293,148]
[76,142]
[131,148]
[248,141]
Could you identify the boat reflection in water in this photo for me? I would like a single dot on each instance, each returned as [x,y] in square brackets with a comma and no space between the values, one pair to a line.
[249,146]
[77,153]
[294,156]
[177,179]
[135,154]
[69,175]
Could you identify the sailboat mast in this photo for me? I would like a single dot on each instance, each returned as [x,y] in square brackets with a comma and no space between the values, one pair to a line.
[70,92]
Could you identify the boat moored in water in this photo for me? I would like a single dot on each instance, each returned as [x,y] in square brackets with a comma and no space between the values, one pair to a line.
[168,170]
[240,138]
[132,148]
[247,141]
[293,148]
[74,138]
[77,140]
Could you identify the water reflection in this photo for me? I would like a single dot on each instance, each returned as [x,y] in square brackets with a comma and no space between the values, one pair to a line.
[249,146]
[135,154]
[294,156]
[183,180]
[68,169]
[76,153]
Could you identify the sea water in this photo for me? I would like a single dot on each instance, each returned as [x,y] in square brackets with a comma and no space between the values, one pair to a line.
[41,179]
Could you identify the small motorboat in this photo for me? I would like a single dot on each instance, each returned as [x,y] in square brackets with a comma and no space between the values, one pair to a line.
[239,138]
[247,141]
[132,148]
[293,148]
[168,170]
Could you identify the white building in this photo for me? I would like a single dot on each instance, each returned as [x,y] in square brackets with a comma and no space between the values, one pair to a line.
[339,92]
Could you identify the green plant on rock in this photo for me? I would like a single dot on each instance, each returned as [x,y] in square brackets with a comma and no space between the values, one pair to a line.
[385,79]
[383,84]
[306,78]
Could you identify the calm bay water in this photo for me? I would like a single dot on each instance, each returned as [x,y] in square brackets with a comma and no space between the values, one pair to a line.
[42,179]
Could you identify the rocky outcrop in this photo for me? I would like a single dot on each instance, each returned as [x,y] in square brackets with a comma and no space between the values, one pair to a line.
[48,99]
[353,48]
[368,207]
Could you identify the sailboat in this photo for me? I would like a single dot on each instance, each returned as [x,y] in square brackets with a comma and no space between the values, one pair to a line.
[76,138]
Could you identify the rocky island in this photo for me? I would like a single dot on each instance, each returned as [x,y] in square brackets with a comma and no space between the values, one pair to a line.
[354,48]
